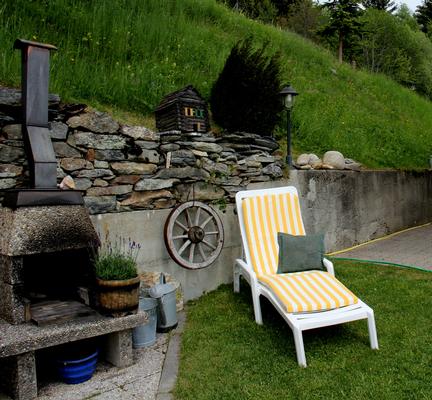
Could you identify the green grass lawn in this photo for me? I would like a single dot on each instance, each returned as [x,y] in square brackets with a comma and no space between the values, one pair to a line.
[225,355]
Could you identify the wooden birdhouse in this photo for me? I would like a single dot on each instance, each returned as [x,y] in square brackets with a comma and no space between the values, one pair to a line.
[184,110]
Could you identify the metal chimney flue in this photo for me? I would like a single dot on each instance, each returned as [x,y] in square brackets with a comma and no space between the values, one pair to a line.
[35,79]
[35,129]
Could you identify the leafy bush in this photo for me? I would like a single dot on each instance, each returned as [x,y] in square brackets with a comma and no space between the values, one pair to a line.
[245,96]
[395,49]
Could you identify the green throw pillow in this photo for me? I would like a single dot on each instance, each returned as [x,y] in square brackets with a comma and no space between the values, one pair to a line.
[300,253]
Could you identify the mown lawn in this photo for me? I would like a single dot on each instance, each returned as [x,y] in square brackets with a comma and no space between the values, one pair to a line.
[225,355]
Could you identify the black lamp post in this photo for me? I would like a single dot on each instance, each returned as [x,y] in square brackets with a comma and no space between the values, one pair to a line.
[287,95]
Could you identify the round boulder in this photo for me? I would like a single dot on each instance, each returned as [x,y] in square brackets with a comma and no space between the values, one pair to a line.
[334,159]
[303,159]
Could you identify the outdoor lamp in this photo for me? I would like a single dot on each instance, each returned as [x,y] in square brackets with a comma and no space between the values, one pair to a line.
[287,95]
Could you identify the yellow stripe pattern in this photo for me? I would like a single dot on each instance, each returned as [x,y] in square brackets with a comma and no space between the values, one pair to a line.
[265,216]
[309,291]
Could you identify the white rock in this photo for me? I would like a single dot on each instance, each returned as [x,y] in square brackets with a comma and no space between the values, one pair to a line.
[334,159]
[67,183]
[313,158]
[303,159]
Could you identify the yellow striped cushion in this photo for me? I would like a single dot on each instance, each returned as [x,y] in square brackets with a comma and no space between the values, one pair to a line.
[265,216]
[309,291]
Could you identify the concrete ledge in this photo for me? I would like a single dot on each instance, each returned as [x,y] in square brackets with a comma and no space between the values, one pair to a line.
[171,364]
[18,339]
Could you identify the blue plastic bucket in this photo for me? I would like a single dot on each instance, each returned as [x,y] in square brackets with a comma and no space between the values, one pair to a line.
[79,370]
[145,335]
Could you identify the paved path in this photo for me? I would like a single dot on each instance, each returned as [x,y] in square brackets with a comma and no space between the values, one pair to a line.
[412,248]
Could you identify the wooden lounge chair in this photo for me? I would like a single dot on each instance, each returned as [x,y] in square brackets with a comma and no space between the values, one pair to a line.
[306,300]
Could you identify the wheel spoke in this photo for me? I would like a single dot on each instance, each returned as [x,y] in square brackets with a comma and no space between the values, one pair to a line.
[177,222]
[180,237]
[212,233]
[192,252]
[201,251]
[209,244]
[197,216]
[206,222]
[188,219]
[184,247]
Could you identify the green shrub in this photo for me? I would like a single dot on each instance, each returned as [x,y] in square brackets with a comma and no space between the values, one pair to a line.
[112,263]
[115,266]
[245,96]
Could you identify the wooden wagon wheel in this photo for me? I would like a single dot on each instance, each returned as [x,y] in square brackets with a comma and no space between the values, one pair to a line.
[193,235]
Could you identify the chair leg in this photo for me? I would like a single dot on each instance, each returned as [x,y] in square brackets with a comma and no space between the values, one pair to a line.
[256,305]
[298,341]
[372,330]
[236,279]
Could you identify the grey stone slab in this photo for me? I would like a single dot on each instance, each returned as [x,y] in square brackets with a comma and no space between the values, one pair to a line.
[9,154]
[118,348]
[64,150]
[154,184]
[140,133]
[109,191]
[100,204]
[97,141]
[10,170]
[96,121]
[133,168]
[58,130]
[17,339]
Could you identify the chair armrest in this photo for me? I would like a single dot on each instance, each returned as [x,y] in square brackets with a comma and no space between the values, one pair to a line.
[329,266]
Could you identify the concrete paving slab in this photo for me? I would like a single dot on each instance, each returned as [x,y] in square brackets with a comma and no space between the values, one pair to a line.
[139,381]
[151,377]
[171,363]
[412,247]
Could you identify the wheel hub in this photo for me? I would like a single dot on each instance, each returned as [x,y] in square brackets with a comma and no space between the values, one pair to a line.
[196,234]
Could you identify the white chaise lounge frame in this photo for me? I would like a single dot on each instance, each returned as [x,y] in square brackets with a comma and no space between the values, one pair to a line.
[298,322]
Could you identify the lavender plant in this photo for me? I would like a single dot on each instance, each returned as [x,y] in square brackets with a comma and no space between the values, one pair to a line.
[118,260]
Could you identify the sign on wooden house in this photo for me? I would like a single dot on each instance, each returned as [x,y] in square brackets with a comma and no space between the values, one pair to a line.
[184,110]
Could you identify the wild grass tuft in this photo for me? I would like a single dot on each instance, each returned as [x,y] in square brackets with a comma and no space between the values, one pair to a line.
[128,54]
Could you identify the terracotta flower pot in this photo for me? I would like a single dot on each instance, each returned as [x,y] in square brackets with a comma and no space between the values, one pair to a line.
[118,298]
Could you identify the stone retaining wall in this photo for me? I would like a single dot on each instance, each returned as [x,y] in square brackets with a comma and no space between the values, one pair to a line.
[122,168]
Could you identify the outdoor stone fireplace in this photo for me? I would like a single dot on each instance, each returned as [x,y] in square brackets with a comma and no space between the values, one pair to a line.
[46,244]
[44,255]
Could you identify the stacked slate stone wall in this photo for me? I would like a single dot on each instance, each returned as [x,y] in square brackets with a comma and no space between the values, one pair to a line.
[123,168]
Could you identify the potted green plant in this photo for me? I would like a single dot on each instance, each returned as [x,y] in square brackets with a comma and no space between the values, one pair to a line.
[117,280]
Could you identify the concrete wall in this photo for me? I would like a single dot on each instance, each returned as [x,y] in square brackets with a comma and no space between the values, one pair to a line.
[146,227]
[349,207]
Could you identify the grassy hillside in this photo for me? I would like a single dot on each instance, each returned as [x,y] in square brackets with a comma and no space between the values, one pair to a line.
[127,54]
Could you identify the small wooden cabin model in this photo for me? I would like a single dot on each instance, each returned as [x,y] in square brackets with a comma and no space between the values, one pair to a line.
[184,110]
